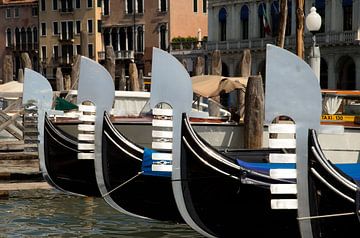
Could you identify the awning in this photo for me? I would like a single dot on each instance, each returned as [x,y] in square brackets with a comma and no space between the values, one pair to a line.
[213,85]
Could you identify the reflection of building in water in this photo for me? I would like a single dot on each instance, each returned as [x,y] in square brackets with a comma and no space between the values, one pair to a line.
[237,25]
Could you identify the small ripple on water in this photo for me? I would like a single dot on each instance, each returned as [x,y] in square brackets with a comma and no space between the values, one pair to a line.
[49,213]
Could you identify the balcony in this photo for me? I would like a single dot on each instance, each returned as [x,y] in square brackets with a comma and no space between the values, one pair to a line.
[119,55]
[67,10]
[323,39]
[66,38]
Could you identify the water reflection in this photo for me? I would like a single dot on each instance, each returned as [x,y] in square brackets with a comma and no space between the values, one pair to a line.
[39,213]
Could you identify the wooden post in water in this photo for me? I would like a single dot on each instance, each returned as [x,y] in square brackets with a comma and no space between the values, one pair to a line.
[141,80]
[282,25]
[75,71]
[216,69]
[245,69]
[8,69]
[133,77]
[199,66]
[20,76]
[59,80]
[84,41]
[254,113]
[26,60]
[300,28]
[122,78]
[110,61]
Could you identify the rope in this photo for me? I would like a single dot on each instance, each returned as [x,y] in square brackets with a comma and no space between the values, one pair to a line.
[326,216]
[119,186]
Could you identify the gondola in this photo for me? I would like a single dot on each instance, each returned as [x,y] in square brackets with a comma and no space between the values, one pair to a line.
[130,182]
[334,194]
[69,173]
[224,195]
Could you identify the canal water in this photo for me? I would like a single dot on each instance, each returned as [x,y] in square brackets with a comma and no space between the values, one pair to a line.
[42,213]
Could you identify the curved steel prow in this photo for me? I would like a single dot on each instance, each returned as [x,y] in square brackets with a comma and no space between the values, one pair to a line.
[97,86]
[38,91]
[293,90]
[171,84]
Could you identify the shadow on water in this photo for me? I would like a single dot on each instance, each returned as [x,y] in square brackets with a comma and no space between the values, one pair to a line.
[37,213]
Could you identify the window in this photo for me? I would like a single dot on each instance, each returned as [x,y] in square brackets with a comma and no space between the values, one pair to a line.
[55,5]
[29,38]
[42,5]
[320,8]
[43,53]
[163,32]
[55,28]
[35,11]
[35,34]
[91,51]
[67,6]
[17,38]
[78,49]
[43,28]
[244,19]
[8,38]
[222,23]
[56,52]
[106,10]
[140,39]
[204,6]
[67,53]
[347,15]
[288,20]
[140,6]
[99,26]
[16,12]
[163,6]
[195,5]
[8,13]
[77,27]
[89,3]
[67,30]
[90,26]
[129,6]
[99,3]
[23,39]
[77,4]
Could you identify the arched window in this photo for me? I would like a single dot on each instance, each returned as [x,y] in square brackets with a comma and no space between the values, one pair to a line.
[17,38]
[347,15]
[222,22]
[275,17]
[320,8]
[163,37]
[264,26]
[140,39]
[35,34]
[29,38]
[244,18]
[23,39]
[8,38]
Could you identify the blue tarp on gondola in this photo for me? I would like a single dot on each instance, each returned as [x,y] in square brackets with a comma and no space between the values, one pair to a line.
[147,164]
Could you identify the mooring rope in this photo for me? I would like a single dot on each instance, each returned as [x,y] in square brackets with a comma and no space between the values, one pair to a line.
[119,186]
[326,216]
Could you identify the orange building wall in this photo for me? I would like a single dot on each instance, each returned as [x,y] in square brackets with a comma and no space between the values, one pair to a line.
[184,21]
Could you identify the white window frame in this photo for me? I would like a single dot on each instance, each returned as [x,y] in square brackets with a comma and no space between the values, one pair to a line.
[58,28]
[87,26]
[77,31]
[8,13]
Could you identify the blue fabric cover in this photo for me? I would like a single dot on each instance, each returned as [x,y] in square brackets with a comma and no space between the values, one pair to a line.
[148,161]
[352,170]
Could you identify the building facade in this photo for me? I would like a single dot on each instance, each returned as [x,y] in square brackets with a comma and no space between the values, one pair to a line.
[68,28]
[19,34]
[134,27]
[235,25]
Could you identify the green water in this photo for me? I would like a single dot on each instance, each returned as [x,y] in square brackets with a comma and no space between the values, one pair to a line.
[49,213]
